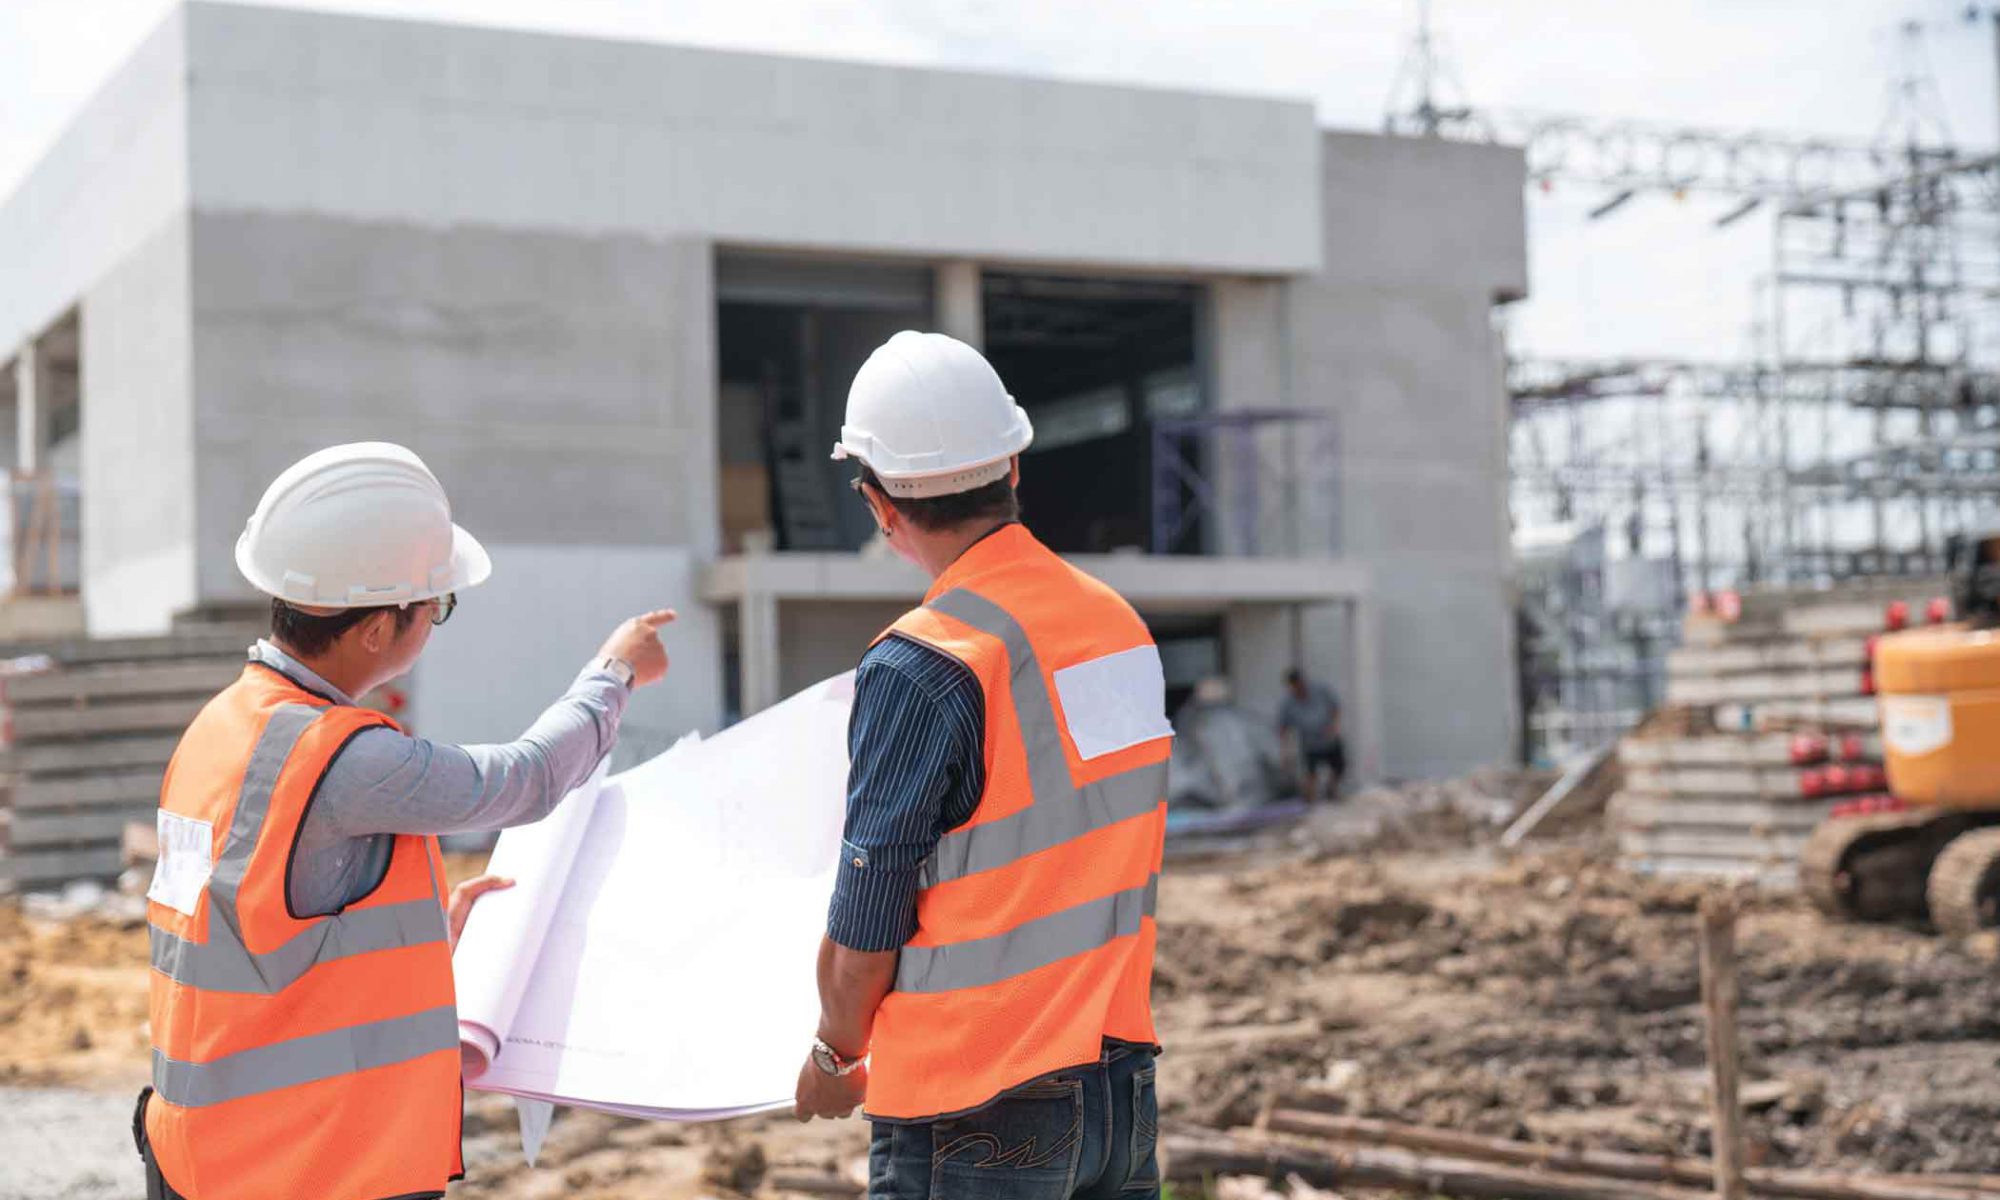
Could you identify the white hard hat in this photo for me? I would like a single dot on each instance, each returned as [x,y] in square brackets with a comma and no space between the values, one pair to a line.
[358,526]
[929,417]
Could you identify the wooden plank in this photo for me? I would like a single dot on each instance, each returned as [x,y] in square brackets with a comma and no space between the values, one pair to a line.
[1845,712]
[1630,811]
[1716,750]
[1765,685]
[1749,783]
[1692,866]
[151,716]
[51,759]
[89,791]
[1196,1158]
[1789,654]
[124,681]
[1301,1113]
[44,868]
[1744,846]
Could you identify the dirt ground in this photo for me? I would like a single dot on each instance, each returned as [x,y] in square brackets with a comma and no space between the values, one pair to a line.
[1424,978]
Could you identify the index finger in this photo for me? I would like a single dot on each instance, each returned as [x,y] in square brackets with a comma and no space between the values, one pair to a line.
[658,617]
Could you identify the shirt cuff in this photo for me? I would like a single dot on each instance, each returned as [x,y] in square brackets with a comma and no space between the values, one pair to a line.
[874,908]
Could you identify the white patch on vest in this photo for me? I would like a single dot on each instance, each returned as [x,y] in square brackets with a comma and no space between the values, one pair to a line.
[187,859]
[1115,702]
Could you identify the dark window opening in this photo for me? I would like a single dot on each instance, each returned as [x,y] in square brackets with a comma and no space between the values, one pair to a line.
[1095,362]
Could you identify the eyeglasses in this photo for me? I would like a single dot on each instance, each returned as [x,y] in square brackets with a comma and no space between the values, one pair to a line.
[442,607]
[856,484]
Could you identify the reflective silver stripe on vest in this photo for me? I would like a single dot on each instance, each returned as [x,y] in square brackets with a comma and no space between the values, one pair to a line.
[216,967]
[1059,811]
[305,1060]
[224,963]
[1024,948]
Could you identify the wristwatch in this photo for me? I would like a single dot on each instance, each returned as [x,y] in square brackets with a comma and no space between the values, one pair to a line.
[829,1061]
[618,667]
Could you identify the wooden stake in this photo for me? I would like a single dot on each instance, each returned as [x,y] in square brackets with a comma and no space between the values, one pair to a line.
[1718,1001]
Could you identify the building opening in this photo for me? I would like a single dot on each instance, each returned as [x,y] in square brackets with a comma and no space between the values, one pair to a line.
[1095,362]
[791,334]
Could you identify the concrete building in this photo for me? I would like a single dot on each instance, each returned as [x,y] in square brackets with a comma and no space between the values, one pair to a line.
[613,294]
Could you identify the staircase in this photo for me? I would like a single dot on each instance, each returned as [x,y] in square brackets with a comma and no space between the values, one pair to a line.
[92,729]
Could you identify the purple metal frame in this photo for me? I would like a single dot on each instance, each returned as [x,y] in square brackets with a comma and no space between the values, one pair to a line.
[1176,440]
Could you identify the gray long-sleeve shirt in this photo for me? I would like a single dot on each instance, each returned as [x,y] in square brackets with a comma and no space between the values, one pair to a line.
[383,783]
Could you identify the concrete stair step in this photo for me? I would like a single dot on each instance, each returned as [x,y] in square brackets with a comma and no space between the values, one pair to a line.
[169,716]
[46,868]
[31,831]
[111,788]
[116,682]
[221,642]
[52,760]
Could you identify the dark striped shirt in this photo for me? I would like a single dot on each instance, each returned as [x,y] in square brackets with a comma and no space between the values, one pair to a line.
[917,744]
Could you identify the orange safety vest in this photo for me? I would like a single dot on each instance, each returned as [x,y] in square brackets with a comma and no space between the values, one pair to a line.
[292,1056]
[1034,936]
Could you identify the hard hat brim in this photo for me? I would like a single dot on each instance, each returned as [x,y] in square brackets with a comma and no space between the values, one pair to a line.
[470,564]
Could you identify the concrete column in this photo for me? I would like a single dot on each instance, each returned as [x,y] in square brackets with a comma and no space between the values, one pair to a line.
[1364,704]
[757,649]
[959,311]
[33,394]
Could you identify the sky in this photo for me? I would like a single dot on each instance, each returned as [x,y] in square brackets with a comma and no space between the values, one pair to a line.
[1655,278]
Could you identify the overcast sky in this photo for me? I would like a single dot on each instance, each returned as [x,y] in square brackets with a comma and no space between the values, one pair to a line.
[1655,278]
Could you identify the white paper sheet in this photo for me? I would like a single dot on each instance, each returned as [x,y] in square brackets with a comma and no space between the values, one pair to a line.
[673,975]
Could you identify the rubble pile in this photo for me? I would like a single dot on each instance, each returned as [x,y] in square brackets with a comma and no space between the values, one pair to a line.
[1556,998]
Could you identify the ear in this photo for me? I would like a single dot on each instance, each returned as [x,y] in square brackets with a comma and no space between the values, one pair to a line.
[378,631]
[885,513]
[1014,473]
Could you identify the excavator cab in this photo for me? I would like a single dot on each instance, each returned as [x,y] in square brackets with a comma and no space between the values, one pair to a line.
[1938,853]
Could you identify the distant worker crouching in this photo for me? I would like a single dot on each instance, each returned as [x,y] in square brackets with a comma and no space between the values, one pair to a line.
[989,949]
[305,1041]
[1311,713]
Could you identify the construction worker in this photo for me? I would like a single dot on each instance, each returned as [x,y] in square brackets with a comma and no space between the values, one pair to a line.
[1310,712]
[989,949]
[304,1037]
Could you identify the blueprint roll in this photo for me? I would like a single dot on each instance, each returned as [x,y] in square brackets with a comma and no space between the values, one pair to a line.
[669,972]
[506,928]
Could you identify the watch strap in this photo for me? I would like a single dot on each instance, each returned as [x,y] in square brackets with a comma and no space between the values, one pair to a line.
[617,667]
[829,1060]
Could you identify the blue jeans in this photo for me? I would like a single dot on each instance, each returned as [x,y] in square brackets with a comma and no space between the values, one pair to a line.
[1088,1132]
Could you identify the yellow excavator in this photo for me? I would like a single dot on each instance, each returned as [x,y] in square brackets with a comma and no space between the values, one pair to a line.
[1936,851]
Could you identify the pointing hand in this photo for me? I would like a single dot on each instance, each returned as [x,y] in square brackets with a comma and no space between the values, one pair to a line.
[637,642]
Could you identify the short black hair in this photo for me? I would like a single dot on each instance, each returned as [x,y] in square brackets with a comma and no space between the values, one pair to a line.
[307,634]
[1294,677]
[994,501]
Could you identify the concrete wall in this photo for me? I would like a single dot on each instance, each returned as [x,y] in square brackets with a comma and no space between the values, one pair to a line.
[1394,336]
[139,540]
[516,642]
[562,387]
[399,121]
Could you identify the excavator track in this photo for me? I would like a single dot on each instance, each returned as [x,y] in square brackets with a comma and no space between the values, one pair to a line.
[1871,867]
[1964,887]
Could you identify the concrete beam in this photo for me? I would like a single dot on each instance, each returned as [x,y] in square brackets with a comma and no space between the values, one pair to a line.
[1151,583]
